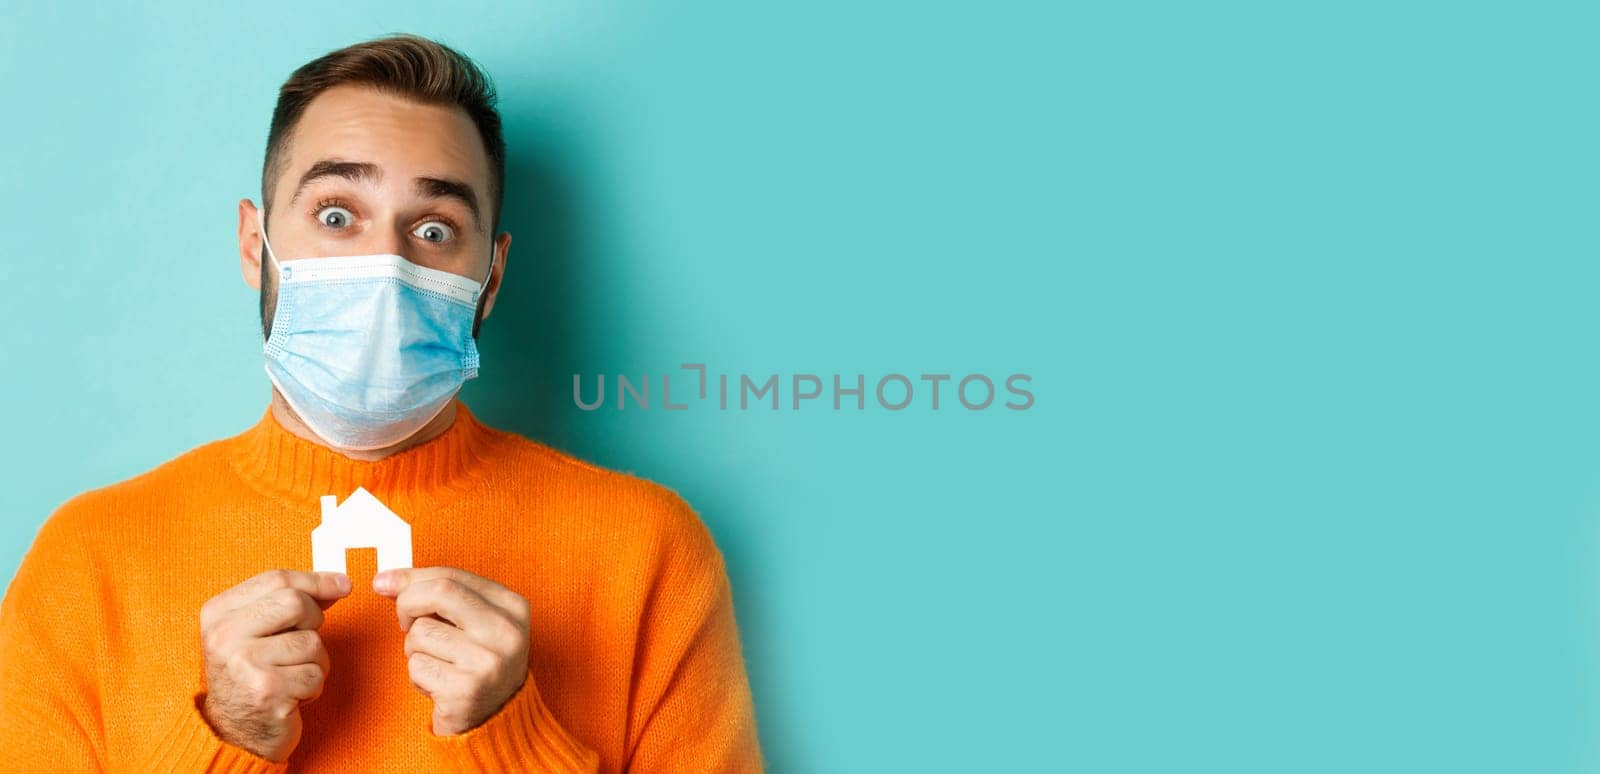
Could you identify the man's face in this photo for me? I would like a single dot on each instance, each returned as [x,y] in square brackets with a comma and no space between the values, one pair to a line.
[368,173]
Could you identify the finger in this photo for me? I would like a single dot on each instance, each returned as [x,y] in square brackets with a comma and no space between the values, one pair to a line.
[322,586]
[298,646]
[391,582]
[433,676]
[445,642]
[325,587]
[274,612]
[449,600]
[302,681]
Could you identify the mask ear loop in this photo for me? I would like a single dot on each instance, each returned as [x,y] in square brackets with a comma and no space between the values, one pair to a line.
[484,287]
[266,246]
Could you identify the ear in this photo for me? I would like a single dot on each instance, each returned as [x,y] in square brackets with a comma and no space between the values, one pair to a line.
[249,244]
[502,250]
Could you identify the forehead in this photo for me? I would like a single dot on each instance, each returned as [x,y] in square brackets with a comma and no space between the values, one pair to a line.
[404,138]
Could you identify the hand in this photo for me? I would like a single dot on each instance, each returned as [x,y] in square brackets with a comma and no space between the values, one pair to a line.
[466,641]
[263,657]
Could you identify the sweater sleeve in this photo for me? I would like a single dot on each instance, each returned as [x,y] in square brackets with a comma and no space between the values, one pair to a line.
[692,709]
[190,744]
[522,736]
[50,642]
[52,631]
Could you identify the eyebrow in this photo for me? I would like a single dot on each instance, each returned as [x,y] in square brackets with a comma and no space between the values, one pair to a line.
[445,188]
[363,171]
[354,171]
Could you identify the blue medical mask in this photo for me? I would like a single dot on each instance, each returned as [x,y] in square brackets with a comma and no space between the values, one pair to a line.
[369,348]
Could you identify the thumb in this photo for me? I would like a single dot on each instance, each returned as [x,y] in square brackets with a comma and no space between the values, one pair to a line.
[331,587]
[389,582]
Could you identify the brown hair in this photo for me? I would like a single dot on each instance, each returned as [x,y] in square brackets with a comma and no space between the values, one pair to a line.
[405,65]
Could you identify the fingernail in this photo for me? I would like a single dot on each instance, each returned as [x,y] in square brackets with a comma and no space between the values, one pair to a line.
[342,583]
[383,582]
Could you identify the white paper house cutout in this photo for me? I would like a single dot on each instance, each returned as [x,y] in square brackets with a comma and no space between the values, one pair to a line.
[360,522]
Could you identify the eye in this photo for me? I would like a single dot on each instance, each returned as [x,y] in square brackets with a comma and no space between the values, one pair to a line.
[435,231]
[334,217]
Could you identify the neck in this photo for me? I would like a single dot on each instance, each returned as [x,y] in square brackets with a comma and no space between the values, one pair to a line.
[292,423]
[284,459]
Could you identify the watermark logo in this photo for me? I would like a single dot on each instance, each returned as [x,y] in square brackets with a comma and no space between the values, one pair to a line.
[890,392]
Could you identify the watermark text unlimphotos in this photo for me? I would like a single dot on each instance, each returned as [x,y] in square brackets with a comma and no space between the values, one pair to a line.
[849,392]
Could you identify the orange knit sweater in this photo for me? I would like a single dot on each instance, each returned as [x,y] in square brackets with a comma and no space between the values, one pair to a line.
[634,665]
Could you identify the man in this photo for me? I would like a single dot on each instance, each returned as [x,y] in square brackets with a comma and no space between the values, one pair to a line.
[558,616]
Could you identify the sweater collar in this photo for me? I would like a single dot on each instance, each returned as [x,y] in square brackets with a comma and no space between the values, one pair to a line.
[282,464]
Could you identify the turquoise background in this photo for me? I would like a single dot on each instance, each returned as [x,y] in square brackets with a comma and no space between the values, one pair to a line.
[1308,294]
